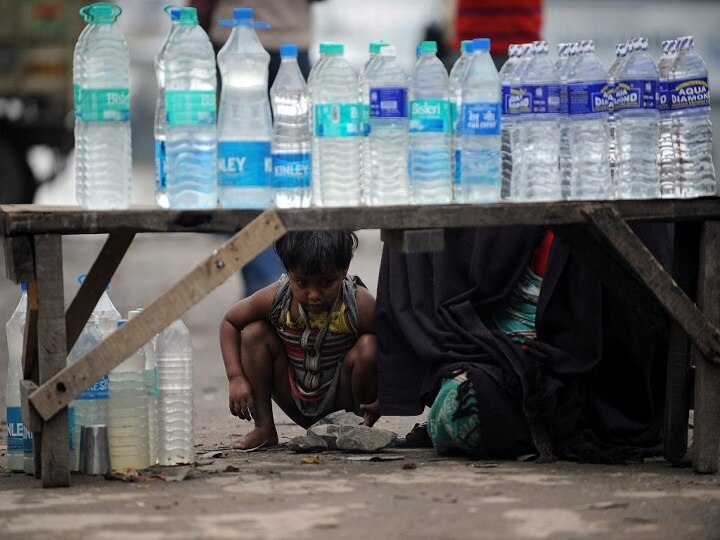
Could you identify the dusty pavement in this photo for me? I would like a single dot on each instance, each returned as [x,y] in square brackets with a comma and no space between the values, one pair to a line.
[274,494]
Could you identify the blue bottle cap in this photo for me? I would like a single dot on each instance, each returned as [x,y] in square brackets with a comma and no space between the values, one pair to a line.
[81,280]
[23,286]
[173,11]
[120,322]
[289,49]
[243,17]
[466,45]
[481,44]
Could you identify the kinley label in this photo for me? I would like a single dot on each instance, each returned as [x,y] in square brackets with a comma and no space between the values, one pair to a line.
[480,118]
[689,94]
[244,163]
[635,94]
[430,116]
[588,98]
[291,170]
[99,389]
[15,431]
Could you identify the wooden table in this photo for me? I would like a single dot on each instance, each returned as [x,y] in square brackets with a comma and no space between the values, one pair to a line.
[597,232]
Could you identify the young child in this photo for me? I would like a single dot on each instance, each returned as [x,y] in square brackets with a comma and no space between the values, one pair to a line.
[307,341]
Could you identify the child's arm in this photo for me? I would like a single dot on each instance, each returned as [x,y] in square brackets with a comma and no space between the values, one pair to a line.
[366,315]
[253,308]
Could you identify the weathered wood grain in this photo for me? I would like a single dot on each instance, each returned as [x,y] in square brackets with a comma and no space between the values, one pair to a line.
[19,264]
[414,240]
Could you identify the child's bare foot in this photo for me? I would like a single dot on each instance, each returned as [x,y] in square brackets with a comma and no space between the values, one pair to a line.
[256,438]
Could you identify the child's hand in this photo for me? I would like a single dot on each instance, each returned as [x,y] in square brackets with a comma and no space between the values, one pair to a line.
[241,400]
[371,412]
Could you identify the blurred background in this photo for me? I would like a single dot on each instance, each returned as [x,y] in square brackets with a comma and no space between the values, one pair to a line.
[37,38]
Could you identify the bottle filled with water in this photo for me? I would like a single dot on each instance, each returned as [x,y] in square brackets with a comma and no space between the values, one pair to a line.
[692,130]
[291,142]
[316,199]
[507,74]
[103,160]
[160,115]
[191,145]
[588,134]
[14,330]
[337,117]
[244,119]
[151,390]
[567,55]
[174,356]
[365,164]
[430,145]
[455,84]
[479,124]
[128,413]
[667,163]
[636,114]
[519,107]
[620,55]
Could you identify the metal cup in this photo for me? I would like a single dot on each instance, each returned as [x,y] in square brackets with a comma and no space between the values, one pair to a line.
[94,453]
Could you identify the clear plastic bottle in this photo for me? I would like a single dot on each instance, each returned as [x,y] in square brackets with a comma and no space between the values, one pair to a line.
[90,407]
[692,129]
[588,134]
[316,199]
[151,389]
[387,181]
[365,164]
[456,74]
[431,130]
[78,81]
[666,154]
[244,119]
[174,356]
[621,50]
[520,106]
[128,413]
[539,128]
[160,117]
[507,74]
[291,143]
[636,114]
[103,156]
[480,118]
[14,329]
[337,118]
[567,55]
[105,316]
[191,135]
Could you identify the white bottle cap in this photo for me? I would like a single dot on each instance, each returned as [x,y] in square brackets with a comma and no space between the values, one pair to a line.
[387,50]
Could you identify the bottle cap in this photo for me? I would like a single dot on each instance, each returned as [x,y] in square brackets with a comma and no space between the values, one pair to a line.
[121,322]
[101,13]
[289,49]
[375,46]
[134,312]
[466,46]
[23,286]
[428,47]
[188,15]
[331,47]
[481,44]
[243,17]
[388,50]
[173,11]
[81,280]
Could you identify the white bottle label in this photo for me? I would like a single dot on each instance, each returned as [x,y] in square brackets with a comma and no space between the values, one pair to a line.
[244,164]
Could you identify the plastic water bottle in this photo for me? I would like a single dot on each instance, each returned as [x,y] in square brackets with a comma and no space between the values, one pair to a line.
[520,106]
[692,130]
[507,74]
[14,330]
[90,407]
[103,167]
[151,390]
[337,116]
[160,114]
[191,144]
[588,134]
[666,154]
[431,130]
[365,164]
[456,74]
[620,55]
[480,118]
[174,355]
[636,111]
[316,199]
[105,316]
[539,128]
[567,55]
[78,71]
[291,142]
[244,120]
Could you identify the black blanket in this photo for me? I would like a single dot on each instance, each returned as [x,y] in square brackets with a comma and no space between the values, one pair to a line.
[590,387]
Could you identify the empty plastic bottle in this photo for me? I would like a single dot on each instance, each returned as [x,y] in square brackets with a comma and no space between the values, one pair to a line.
[507,74]
[14,329]
[480,118]
[431,130]
[128,413]
[103,166]
[692,129]
[666,154]
[539,128]
[567,55]
[337,117]
[160,114]
[191,144]
[151,388]
[620,55]
[456,74]
[636,114]
[588,134]
[90,407]
[105,316]
[244,120]
[291,142]
[365,164]
[174,356]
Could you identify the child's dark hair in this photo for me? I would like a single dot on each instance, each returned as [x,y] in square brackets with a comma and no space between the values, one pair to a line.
[316,252]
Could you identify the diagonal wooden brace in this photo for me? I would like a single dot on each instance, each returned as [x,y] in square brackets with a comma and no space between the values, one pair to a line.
[57,393]
[621,239]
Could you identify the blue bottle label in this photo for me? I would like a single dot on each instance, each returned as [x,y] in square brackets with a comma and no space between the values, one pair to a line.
[244,164]
[338,119]
[689,94]
[564,105]
[519,100]
[291,170]
[587,99]
[664,96]
[71,427]
[537,99]
[430,116]
[190,107]
[14,429]
[458,166]
[506,90]
[160,165]
[98,390]
[480,118]
[104,104]
[635,94]
[388,102]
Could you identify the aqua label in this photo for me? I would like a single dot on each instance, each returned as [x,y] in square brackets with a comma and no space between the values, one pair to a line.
[388,102]
[244,164]
[689,94]
[587,99]
[291,171]
[635,94]
[98,390]
[160,165]
[480,118]
[190,107]
[430,116]
[15,431]
[337,119]
[104,105]
[458,166]
[536,99]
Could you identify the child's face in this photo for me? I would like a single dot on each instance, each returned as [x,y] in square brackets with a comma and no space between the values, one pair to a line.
[316,293]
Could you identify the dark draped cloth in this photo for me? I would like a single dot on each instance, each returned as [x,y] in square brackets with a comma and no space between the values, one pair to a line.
[591,386]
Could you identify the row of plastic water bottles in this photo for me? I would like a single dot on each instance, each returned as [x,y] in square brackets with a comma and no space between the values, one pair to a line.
[146,402]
